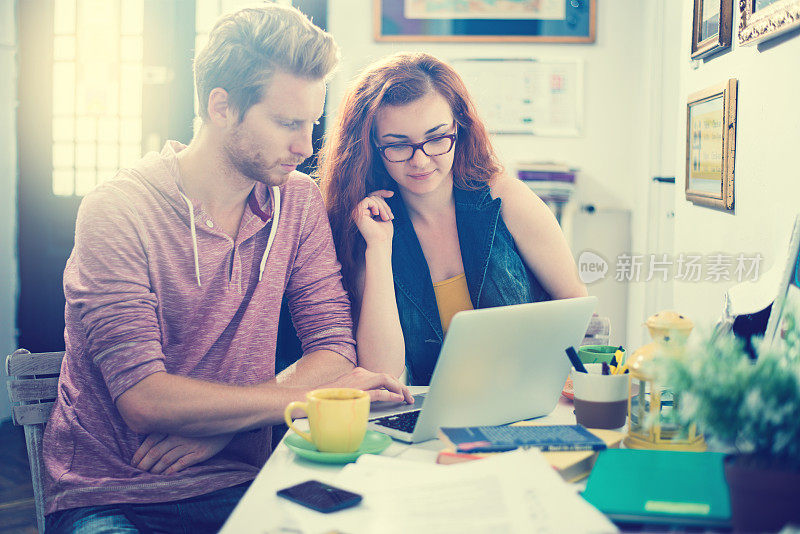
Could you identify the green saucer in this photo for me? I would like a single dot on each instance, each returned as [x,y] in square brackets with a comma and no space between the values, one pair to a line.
[374,443]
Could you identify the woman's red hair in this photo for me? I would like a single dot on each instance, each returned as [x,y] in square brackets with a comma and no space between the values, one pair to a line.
[350,166]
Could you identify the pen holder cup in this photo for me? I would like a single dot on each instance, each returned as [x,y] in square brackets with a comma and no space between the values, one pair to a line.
[601,401]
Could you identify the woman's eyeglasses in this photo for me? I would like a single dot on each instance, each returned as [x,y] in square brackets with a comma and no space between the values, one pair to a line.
[435,146]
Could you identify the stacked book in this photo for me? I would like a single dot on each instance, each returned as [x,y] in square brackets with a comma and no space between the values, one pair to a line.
[553,182]
[570,449]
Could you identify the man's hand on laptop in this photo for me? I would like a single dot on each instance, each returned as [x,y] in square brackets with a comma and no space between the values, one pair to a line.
[380,386]
[167,454]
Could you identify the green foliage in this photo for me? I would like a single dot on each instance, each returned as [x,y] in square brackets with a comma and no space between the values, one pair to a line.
[753,406]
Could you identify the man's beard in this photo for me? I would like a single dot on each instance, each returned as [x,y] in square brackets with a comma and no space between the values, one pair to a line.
[250,164]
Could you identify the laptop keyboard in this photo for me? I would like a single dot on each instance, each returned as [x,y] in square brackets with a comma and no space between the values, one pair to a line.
[405,422]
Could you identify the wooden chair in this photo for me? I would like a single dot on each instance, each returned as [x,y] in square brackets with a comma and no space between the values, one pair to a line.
[32,386]
[598,332]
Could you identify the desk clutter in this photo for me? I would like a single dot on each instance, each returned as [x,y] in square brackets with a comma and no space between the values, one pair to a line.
[512,478]
[514,492]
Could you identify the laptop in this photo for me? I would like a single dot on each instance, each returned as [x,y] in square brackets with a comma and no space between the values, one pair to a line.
[496,366]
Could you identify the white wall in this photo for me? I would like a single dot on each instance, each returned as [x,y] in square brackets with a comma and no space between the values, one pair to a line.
[767,175]
[611,152]
[8,190]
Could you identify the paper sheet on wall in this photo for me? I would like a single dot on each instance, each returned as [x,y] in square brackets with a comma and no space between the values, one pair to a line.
[516,492]
[526,96]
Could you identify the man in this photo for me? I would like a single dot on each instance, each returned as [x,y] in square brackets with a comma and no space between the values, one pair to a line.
[173,293]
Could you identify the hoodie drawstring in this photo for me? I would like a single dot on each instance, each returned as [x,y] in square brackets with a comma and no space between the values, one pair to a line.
[276,210]
[194,237]
[276,201]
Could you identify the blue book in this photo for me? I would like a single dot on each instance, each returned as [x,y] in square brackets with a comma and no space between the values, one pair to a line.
[506,438]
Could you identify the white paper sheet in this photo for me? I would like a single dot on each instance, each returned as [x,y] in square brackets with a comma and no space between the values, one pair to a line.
[526,95]
[516,492]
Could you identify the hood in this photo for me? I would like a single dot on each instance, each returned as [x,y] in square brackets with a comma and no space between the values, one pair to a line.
[160,172]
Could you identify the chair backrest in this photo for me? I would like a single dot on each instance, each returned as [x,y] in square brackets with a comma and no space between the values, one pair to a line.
[599,331]
[32,390]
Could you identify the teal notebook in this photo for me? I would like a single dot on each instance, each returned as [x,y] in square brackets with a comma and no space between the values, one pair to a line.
[679,488]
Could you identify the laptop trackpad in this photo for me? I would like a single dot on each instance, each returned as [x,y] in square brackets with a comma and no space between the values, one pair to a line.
[382,409]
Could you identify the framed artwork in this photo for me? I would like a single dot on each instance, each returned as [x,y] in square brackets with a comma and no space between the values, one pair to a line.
[711,145]
[544,21]
[788,297]
[711,27]
[764,19]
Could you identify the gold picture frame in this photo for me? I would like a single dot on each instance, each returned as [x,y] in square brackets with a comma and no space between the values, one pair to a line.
[764,19]
[711,27]
[711,146]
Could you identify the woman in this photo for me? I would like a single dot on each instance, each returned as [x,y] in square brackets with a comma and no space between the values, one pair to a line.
[425,222]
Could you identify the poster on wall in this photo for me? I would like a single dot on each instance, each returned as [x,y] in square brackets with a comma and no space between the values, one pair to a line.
[711,146]
[539,97]
[544,21]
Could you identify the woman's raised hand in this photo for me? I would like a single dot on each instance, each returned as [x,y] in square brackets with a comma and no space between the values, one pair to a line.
[373,217]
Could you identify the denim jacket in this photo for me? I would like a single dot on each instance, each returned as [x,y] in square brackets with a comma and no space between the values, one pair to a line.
[496,274]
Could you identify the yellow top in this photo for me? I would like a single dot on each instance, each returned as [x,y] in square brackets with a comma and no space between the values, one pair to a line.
[452,296]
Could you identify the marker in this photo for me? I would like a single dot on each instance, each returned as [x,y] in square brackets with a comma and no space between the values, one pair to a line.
[606,369]
[619,355]
[576,362]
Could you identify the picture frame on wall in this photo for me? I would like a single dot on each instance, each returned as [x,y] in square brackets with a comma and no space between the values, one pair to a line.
[711,146]
[760,20]
[545,21]
[711,27]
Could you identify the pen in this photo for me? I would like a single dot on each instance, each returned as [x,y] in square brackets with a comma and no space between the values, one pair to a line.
[576,362]
[606,369]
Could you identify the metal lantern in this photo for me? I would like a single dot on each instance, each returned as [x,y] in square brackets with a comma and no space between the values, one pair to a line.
[650,425]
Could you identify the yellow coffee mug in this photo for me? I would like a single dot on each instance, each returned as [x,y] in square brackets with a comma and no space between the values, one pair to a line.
[337,418]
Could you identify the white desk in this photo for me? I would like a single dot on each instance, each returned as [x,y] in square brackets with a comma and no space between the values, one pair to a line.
[261,510]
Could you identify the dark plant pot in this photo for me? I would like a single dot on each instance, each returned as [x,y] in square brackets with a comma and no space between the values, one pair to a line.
[763,498]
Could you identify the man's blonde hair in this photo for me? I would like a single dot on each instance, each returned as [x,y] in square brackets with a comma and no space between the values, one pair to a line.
[245,48]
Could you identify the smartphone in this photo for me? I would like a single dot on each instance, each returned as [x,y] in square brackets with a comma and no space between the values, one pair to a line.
[320,497]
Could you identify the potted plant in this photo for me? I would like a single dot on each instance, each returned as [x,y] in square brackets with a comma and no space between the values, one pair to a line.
[753,407]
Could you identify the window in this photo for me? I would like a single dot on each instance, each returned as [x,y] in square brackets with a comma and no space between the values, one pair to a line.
[97,91]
